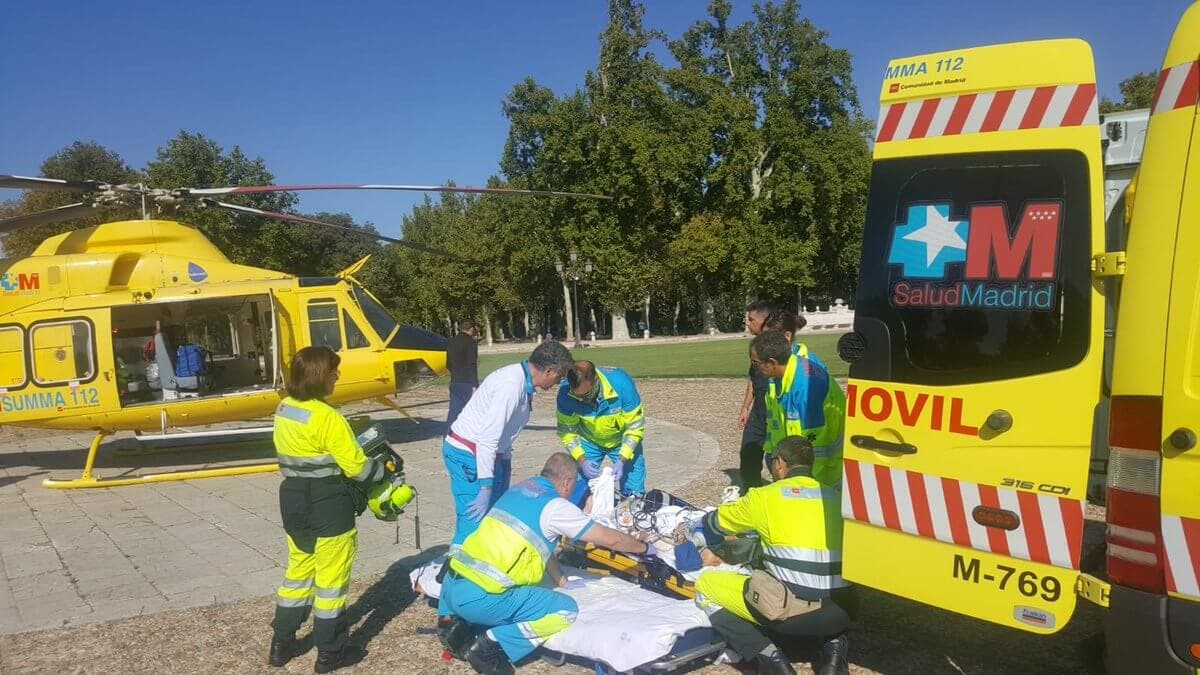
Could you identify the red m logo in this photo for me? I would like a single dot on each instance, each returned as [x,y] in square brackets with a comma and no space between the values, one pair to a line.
[991,254]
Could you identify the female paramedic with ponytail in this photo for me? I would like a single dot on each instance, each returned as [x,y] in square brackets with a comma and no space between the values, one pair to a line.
[321,460]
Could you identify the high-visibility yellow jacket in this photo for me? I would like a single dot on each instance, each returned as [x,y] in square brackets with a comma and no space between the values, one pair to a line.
[807,402]
[799,523]
[312,440]
[511,546]
[615,420]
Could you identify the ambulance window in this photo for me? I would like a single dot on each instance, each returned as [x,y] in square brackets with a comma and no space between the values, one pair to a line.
[62,352]
[354,336]
[323,327]
[12,357]
[975,267]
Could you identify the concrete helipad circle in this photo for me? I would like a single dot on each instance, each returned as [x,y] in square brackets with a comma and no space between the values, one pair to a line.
[70,557]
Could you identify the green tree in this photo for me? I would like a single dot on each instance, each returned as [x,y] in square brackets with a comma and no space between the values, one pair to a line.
[194,160]
[1137,91]
[78,161]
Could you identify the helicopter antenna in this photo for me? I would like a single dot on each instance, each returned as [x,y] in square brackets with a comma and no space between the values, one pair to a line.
[145,213]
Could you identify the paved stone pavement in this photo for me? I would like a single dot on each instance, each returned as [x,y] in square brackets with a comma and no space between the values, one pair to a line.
[71,557]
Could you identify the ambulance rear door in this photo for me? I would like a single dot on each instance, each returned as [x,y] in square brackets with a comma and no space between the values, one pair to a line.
[1174,120]
[978,338]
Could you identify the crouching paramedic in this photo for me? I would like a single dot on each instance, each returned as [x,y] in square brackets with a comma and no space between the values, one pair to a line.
[494,577]
[800,590]
[320,460]
[600,415]
[802,400]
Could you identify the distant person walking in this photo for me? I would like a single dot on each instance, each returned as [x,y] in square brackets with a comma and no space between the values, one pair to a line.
[753,419]
[462,358]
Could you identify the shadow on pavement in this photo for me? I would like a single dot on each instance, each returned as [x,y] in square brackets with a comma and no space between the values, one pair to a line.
[387,598]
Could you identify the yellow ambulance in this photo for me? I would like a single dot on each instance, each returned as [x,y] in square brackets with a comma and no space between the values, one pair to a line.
[978,358]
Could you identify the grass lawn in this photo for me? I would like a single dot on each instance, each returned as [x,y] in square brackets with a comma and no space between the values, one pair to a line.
[702,358]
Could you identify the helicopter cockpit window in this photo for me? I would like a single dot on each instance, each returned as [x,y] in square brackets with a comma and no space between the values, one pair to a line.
[354,335]
[12,357]
[323,326]
[381,322]
[63,351]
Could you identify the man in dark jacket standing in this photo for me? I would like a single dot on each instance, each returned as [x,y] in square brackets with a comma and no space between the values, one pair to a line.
[462,358]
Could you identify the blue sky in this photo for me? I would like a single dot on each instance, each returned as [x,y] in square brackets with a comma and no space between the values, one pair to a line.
[392,91]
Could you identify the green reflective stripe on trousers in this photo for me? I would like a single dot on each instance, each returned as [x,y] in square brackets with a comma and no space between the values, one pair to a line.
[536,541]
[486,569]
[294,602]
[332,593]
[298,584]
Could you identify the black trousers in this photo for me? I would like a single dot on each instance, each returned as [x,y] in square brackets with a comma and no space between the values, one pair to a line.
[750,465]
[460,393]
[749,639]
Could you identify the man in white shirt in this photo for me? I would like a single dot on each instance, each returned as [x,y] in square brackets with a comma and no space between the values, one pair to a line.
[478,450]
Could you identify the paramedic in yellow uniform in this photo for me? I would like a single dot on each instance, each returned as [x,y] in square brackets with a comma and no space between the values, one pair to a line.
[320,460]
[494,578]
[802,400]
[800,590]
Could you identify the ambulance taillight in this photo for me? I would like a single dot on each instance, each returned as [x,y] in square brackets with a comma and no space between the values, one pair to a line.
[1134,534]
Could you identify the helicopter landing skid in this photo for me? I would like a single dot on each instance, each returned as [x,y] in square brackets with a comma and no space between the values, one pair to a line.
[88,480]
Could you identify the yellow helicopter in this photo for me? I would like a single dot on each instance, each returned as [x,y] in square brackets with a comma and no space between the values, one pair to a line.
[99,326]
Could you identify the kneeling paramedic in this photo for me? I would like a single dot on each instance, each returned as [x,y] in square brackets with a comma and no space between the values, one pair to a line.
[494,578]
[323,467]
[801,400]
[600,415]
[800,590]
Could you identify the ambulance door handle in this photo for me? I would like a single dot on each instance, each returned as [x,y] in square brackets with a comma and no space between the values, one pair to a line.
[872,443]
[1182,439]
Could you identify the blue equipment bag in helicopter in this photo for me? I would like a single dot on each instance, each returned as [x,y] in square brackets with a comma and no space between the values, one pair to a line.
[190,361]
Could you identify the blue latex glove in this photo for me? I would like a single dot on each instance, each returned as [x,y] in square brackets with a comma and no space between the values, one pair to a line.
[618,471]
[589,468]
[479,506]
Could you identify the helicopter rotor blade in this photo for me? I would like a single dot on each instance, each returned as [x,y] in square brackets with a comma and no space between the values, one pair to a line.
[37,183]
[55,215]
[510,192]
[301,219]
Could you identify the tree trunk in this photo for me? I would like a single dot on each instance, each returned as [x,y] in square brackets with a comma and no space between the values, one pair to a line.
[619,330]
[760,171]
[592,314]
[487,321]
[675,318]
[799,299]
[450,325]
[568,312]
[646,313]
[527,329]
[710,317]
[749,299]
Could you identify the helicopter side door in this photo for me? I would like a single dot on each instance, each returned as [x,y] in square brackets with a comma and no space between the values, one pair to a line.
[60,366]
[331,320]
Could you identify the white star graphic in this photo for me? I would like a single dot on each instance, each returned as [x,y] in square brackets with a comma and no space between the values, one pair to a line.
[938,233]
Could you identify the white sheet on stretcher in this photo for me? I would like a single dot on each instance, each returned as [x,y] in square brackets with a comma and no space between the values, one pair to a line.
[619,623]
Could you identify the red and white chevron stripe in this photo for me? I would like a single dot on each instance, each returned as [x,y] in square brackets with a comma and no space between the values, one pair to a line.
[925,505]
[1178,87]
[1181,542]
[1066,105]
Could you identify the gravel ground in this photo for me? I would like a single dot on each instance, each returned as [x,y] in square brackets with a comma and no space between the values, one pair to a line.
[892,635]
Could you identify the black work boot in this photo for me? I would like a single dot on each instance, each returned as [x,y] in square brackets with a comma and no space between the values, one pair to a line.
[348,655]
[835,656]
[775,664]
[283,650]
[486,656]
